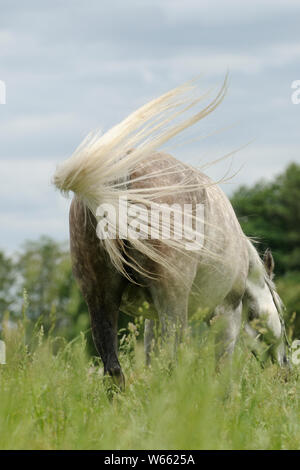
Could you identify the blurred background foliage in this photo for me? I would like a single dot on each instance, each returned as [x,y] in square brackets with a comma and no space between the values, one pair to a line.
[268,211]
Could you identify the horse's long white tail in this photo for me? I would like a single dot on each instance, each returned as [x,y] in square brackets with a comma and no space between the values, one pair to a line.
[99,169]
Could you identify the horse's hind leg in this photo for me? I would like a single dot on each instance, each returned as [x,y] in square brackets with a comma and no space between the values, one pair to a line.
[228,328]
[102,287]
[104,320]
[170,295]
[171,303]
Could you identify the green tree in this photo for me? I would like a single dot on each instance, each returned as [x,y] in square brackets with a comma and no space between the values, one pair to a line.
[44,268]
[270,212]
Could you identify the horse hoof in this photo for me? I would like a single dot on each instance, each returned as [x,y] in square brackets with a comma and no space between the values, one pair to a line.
[117,377]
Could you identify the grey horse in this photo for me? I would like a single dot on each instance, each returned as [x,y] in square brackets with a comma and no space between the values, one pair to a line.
[224,277]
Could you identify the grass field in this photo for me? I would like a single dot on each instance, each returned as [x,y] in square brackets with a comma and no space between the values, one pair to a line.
[53,396]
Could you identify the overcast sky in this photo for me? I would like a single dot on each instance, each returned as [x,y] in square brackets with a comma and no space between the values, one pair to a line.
[74,66]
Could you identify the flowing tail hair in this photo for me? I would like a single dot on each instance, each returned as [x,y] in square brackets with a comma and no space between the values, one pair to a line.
[99,169]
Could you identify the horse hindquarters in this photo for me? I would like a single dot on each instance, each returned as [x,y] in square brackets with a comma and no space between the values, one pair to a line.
[101,285]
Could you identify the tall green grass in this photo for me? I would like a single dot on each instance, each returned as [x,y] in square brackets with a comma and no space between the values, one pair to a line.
[53,396]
